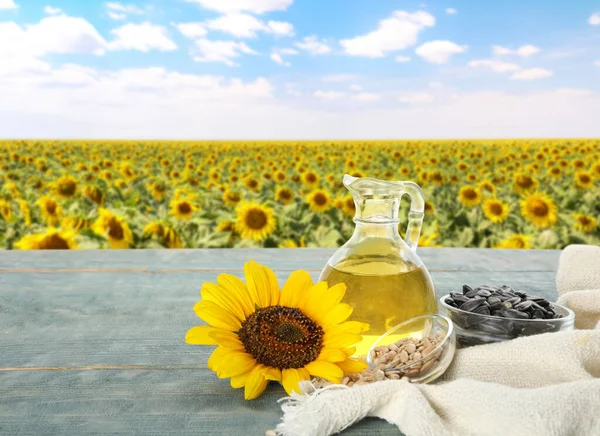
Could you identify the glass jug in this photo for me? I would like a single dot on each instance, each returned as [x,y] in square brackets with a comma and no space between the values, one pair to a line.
[386,281]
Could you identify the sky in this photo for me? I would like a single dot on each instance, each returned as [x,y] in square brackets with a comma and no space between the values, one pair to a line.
[299,69]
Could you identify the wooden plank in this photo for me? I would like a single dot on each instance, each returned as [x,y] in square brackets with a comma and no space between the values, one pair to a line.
[86,319]
[435,259]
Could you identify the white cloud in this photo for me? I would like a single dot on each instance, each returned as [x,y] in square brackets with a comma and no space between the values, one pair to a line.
[451,11]
[50,10]
[276,56]
[395,33]
[142,37]
[8,4]
[220,51]
[120,11]
[494,65]
[192,30]
[253,6]
[338,77]
[312,45]
[247,26]
[416,97]
[435,85]
[356,88]
[523,51]
[531,74]
[117,16]
[403,59]
[439,52]
[329,95]
[366,97]
[594,19]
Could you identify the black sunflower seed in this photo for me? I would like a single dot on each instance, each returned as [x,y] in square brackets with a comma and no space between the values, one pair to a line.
[473,304]
[482,310]
[466,288]
[512,313]
[525,305]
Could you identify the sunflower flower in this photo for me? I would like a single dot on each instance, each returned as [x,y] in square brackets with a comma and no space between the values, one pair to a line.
[255,221]
[264,333]
[495,210]
[540,210]
[114,228]
[319,201]
[469,196]
[585,223]
[52,239]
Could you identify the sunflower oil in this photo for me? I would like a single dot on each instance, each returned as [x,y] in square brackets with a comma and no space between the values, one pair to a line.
[383,294]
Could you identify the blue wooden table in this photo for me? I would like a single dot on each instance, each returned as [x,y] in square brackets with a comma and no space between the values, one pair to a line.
[93,342]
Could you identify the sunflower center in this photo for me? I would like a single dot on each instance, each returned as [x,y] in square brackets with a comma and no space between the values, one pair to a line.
[539,208]
[525,181]
[51,208]
[281,337]
[496,209]
[285,195]
[115,230]
[311,178]
[584,220]
[53,242]
[256,219]
[470,194]
[584,178]
[184,208]
[320,199]
[68,187]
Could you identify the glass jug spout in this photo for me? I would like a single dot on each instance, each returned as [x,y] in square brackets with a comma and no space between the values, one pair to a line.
[378,202]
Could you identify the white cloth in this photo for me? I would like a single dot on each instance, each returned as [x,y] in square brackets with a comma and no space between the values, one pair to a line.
[547,384]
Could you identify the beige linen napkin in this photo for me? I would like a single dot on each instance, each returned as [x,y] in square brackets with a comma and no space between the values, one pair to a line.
[538,385]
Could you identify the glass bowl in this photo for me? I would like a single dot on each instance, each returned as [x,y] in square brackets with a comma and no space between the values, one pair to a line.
[431,365]
[475,329]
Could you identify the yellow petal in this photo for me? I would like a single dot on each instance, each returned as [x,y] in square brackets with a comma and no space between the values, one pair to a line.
[272,373]
[291,377]
[255,384]
[349,351]
[200,335]
[238,381]
[258,284]
[237,287]
[341,340]
[214,315]
[217,356]
[222,298]
[327,370]
[236,363]
[310,304]
[332,355]
[355,327]
[273,285]
[227,339]
[351,366]
[294,288]
[338,314]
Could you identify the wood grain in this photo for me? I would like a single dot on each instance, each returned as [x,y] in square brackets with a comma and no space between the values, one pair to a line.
[93,342]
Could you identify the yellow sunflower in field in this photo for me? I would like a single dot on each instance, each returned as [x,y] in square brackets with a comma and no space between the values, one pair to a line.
[596,170]
[25,211]
[66,187]
[226,226]
[585,223]
[290,243]
[182,208]
[126,171]
[539,209]
[114,228]
[94,194]
[255,221]
[157,190]
[51,211]
[264,333]
[554,172]
[578,164]
[279,176]
[584,180]
[310,178]
[6,210]
[52,239]
[495,210]
[319,201]
[252,184]
[349,207]
[74,223]
[524,183]
[154,228]
[171,238]
[469,196]
[486,187]
[231,198]
[284,195]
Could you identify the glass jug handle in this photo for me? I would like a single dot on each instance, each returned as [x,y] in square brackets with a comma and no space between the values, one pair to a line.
[415,216]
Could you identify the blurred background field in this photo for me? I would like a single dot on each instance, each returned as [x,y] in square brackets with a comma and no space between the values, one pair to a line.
[150,194]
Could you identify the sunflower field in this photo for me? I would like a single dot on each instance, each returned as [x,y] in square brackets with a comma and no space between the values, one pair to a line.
[151,194]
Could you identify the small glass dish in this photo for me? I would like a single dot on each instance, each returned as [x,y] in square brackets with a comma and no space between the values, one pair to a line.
[431,365]
[476,329]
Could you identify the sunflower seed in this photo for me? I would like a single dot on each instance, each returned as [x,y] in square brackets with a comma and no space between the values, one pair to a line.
[512,313]
[466,289]
[471,305]
[482,310]
[525,305]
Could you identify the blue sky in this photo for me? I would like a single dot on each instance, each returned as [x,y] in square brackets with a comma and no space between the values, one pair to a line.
[299,68]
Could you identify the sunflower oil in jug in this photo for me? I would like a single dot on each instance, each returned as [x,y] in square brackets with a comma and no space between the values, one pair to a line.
[386,281]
